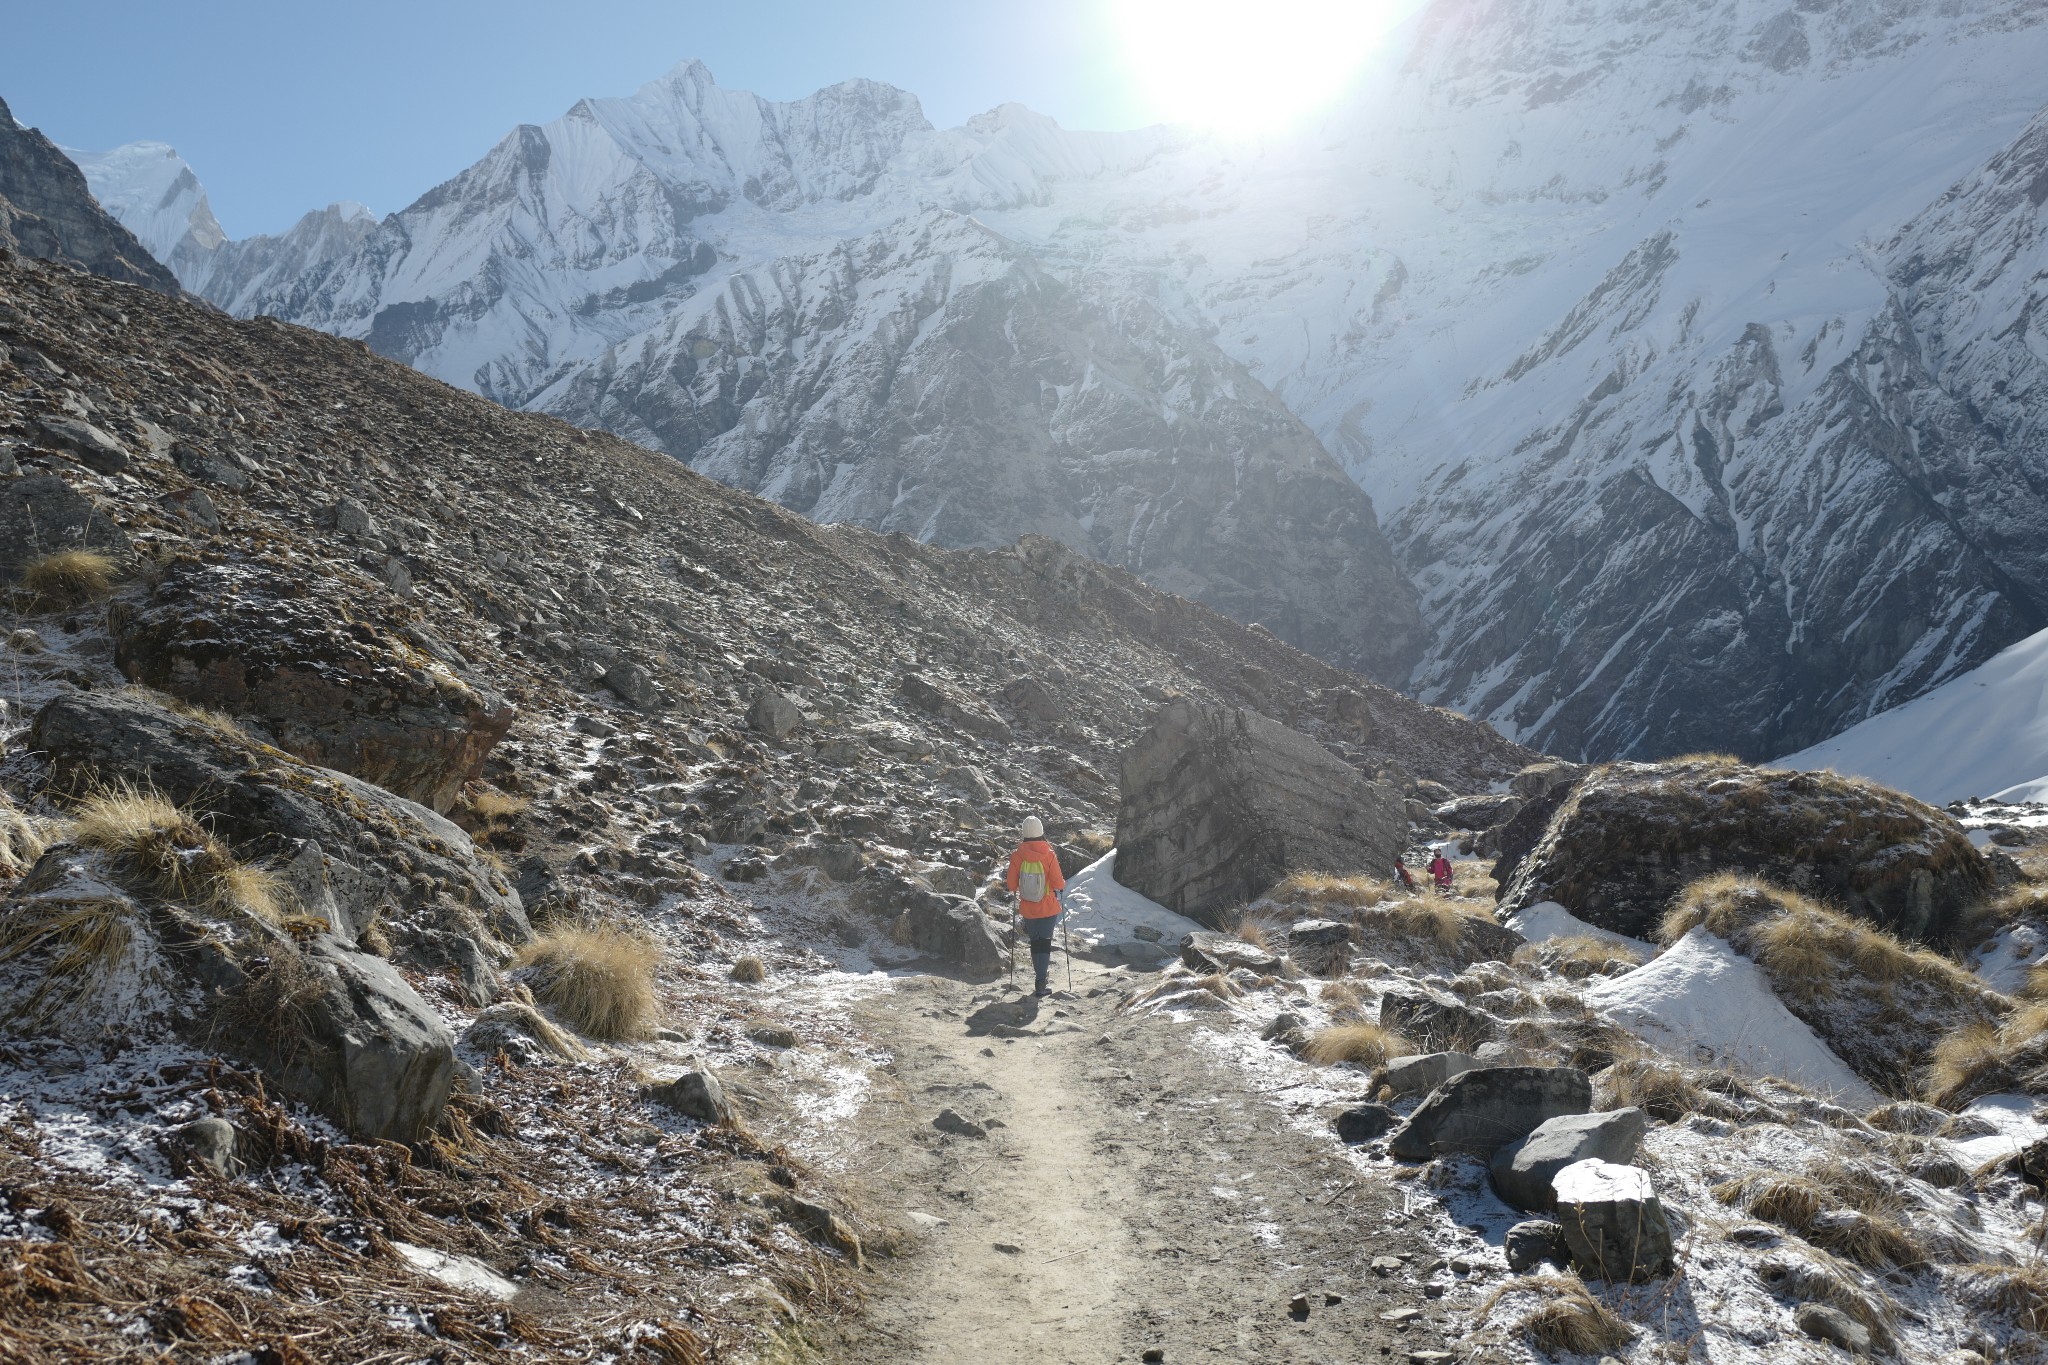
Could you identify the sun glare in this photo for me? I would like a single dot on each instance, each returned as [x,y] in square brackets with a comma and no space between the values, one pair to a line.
[1244,67]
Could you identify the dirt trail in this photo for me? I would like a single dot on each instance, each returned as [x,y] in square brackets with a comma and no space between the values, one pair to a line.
[1130,1194]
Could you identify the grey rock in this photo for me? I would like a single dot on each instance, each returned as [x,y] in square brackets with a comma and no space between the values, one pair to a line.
[1476,812]
[1283,1024]
[1823,1322]
[697,1095]
[1481,1111]
[1364,1122]
[1435,1020]
[775,715]
[95,448]
[951,1121]
[1204,951]
[353,519]
[1540,779]
[1033,703]
[1424,1072]
[1632,835]
[212,1143]
[263,802]
[42,514]
[9,466]
[1535,1242]
[1321,946]
[953,929]
[1217,806]
[206,467]
[955,708]
[373,1054]
[632,684]
[1613,1221]
[1522,1171]
[836,858]
[194,506]
[522,1035]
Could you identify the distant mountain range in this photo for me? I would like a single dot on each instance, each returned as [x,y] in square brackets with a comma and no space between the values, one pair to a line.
[1692,356]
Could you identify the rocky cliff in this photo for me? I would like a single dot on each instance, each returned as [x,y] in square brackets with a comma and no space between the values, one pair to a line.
[47,212]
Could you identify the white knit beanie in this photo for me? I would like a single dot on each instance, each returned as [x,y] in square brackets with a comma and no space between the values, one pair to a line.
[1033,828]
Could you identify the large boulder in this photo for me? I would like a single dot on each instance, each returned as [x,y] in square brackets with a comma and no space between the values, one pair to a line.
[1482,1111]
[1435,1020]
[958,710]
[1522,1171]
[42,514]
[336,1028]
[1424,1072]
[331,684]
[1613,1221]
[1218,805]
[1631,835]
[377,857]
[1203,951]
[954,930]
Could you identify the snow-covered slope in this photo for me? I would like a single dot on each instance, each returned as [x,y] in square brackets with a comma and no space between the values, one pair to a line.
[152,192]
[1688,350]
[1983,734]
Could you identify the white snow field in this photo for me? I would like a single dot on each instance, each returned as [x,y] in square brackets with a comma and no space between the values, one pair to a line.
[1707,1004]
[1983,734]
[1104,913]
[1547,920]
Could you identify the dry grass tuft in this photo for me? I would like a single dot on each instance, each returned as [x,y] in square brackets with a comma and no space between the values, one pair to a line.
[68,577]
[489,804]
[1095,842]
[79,943]
[1571,1323]
[1436,918]
[1983,1059]
[1367,1045]
[749,970]
[2019,1293]
[600,981]
[160,850]
[21,840]
[1325,888]
[1816,1277]
[1848,1210]
[1339,995]
[1660,1089]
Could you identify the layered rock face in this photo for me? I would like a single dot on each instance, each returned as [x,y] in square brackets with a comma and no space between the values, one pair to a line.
[1630,836]
[333,687]
[1219,805]
[47,212]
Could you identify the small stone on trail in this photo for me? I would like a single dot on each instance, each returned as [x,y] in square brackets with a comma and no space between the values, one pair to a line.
[1401,1317]
[1385,1265]
[1432,1291]
[1152,1355]
[1824,1323]
[1331,1298]
[990,1052]
[211,1142]
[950,1121]
[1297,1307]
[1363,1123]
[1428,1357]
[1008,1248]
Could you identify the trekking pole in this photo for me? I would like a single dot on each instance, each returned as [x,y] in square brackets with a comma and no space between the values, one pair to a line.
[1067,928]
[1013,945]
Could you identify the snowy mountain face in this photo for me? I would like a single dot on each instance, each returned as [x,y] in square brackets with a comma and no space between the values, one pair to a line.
[1688,351]
[155,195]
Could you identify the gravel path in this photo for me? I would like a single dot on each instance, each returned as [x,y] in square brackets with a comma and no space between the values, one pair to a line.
[1129,1195]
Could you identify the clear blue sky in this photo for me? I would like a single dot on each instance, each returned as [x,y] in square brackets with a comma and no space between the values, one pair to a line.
[286,106]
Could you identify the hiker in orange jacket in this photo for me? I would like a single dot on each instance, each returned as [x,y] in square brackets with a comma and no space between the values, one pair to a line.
[1035,878]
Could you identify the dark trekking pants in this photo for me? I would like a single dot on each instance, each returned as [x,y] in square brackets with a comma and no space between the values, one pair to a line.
[1040,932]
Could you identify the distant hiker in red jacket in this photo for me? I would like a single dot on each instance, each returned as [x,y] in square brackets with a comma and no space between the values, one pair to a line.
[1401,871]
[1035,877]
[1440,870]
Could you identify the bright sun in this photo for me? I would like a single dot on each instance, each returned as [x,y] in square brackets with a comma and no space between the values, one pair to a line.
[1249,65]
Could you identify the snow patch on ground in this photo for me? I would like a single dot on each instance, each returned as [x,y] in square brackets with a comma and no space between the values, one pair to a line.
[1547,920]
[1103,913]
[1709,1005]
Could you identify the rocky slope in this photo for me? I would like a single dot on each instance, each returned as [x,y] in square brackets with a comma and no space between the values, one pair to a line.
[431,686]
[1683,350]
[48,212]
